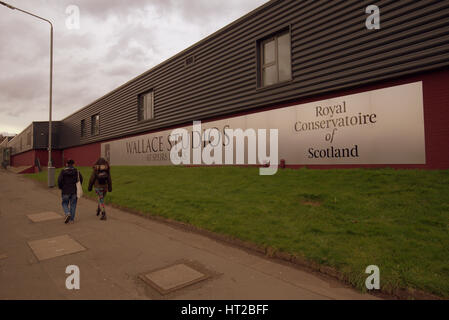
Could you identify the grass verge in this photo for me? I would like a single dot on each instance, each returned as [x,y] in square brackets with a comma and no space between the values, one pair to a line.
[344,219]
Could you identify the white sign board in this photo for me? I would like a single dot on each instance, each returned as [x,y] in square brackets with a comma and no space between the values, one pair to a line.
[384,126]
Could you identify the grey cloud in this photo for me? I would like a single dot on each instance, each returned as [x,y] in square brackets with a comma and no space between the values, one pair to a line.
[122,50]
[119,70]
[206,11]
[103,8]
[24,86]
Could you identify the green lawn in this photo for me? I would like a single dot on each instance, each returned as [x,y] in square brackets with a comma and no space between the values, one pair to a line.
[347,219]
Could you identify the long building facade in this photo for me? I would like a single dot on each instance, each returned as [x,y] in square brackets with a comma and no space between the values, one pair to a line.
[340,93]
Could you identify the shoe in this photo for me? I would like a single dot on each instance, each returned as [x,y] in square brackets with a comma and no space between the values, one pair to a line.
[98,211]
[67,219]
[103,216]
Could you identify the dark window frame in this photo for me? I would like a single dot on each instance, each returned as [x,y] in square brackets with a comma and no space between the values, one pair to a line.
[190,61]
[92,124]
[259,43]
[140,107]
[83,127]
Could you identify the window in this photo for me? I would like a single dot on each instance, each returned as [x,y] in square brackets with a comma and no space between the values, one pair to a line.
[146,106]
[275,59]
[83,128]
[189,61]
[29,138]
[95,125]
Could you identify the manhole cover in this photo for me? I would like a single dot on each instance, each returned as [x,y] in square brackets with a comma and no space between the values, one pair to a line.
[44,216]
[54,247]
[173,277]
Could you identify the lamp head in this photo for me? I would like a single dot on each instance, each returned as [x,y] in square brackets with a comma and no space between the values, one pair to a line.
[7,5]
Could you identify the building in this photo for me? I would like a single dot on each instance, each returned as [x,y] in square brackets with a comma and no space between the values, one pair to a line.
[29,148]
[5,152]
[342,95]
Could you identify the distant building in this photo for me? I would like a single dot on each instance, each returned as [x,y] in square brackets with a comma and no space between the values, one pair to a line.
[5,151]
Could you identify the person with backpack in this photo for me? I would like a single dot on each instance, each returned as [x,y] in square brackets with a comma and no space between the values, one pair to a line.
[67,180]
[101,180]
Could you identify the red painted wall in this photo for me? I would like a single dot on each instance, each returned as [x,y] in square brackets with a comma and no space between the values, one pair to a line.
[28,158]
[56,157]
[23,159]
[85,155]
[436,119]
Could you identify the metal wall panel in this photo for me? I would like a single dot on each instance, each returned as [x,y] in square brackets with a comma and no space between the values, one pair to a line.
[40,134]
[22,142]
[331,50]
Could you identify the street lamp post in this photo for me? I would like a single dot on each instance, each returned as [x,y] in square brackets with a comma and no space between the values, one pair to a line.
[51,169]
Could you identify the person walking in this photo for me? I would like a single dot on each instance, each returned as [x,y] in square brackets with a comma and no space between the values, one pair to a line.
[101,180]
[67,180]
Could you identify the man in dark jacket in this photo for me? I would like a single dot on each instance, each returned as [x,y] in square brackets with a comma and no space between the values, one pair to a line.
[67,183]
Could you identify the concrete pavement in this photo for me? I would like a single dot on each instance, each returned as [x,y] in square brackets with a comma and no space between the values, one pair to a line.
[125,246]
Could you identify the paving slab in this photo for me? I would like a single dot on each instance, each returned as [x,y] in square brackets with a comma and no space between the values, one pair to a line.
[44,216]
[54,247]
[173,277]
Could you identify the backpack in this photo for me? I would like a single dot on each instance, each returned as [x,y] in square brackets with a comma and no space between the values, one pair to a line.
[102,177]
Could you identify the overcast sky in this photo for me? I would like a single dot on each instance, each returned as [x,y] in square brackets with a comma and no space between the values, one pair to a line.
[117,40]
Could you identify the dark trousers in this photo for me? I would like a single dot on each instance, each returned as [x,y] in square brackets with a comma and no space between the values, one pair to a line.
[69,205]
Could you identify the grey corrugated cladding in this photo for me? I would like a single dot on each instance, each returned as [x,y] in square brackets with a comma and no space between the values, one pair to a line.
[331,50]
[38,131]
[19,143]
[40,134]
